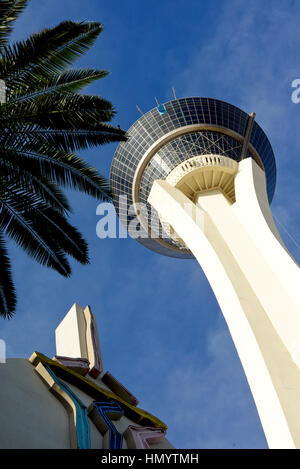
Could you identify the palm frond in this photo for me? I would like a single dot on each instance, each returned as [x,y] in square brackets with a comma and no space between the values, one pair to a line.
[9,11]
[60,110]
[47,52]
[12,190]
[75,139]
[72,80]
[7,290]
[44,120]
[55,227]
[15,223]
[61,168]
[30,176]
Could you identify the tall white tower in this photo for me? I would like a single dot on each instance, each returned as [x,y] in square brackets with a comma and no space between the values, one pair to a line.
[198,175]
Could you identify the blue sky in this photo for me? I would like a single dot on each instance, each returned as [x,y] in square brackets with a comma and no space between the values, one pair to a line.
[161,330]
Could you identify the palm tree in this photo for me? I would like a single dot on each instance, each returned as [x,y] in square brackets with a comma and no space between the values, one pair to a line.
[43,122]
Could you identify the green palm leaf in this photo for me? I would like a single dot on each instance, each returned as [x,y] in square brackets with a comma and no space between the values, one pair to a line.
[7,289]
[17,205]
[30,176]
[50,224]
[62,111]
[9,11]
[62,168]
[27,62]
[44,121]
[68,81]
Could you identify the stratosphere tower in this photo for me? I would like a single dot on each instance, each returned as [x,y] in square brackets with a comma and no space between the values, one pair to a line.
[197,176]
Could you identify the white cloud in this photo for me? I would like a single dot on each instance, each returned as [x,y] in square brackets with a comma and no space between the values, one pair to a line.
[251,59]
[211,405]
[213,401]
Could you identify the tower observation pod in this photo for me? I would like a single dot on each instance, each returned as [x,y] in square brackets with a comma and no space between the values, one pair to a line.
[196,182]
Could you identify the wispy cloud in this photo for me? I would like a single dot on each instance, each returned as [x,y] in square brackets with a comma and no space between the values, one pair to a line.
[211,405]
[251,59]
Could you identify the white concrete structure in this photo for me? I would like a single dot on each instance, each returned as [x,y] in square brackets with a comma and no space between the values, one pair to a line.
[206,172]
[218,209]
[77,337]
[69,401]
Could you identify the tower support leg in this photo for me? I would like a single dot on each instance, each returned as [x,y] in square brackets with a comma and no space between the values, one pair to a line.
[256,283]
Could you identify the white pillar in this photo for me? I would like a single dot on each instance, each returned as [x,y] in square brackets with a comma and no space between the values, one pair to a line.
[256,283]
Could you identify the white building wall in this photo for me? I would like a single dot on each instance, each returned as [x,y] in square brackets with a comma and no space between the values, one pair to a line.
[30,416]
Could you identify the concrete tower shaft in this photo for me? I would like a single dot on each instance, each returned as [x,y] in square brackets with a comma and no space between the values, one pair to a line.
[255,281]
[208,170]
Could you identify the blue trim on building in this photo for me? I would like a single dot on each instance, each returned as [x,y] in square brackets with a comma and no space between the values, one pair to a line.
[103,409]
[82,421]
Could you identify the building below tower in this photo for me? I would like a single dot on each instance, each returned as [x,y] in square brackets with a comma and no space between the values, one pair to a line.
[69,401]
